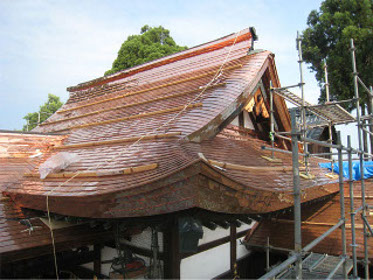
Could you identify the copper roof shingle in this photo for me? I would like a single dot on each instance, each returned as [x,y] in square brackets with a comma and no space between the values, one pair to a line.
[174,97]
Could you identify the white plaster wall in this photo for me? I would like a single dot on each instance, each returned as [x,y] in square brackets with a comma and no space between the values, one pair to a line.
[247,121]
[144,240]
[206,265]
[211,263]
[235,121]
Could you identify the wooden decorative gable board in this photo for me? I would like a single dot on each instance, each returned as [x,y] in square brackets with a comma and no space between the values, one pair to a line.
[259,86]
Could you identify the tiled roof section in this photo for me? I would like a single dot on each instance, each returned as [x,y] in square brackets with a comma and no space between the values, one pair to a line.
[162,91]
[250,154]
[172,185]
[18,241]
[21,153]
[317,218]
[144,119]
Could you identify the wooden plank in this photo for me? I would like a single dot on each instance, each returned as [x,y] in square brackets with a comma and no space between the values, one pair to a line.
[213,244]
[172,250]
[150,89]
[137,116]
[131,105]
[125,171]
[97,260]
[120,141]
[249,168]
[233,248]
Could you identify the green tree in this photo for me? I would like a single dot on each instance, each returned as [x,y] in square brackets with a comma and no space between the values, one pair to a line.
[328,37]
[152,43]
[45,111]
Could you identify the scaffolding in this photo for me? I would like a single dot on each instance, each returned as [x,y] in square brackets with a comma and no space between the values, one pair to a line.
[332,113]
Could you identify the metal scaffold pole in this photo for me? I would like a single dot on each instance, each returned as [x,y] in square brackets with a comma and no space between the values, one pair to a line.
[361,156]
[334,114]
[303,110]
[327,95]
[297,203]
[352,210]
[342,204]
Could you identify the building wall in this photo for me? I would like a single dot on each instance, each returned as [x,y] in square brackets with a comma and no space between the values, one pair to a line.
[208,264]
[211,263]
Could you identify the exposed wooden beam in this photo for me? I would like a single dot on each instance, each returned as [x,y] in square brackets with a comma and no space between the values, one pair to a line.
[172,250]
[236,223]
[149,89]
[124,171]
[97,261]
[210,225]
[233,248]
[120,141]
[131,105]
[137,116]
[223,224]
[249,168]
[213,244]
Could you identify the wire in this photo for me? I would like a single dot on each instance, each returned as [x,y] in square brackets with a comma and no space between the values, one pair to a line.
[53,242]
[216,76]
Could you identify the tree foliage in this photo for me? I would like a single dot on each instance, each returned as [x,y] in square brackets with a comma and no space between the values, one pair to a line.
[45,111]
[328,37]
[152,43]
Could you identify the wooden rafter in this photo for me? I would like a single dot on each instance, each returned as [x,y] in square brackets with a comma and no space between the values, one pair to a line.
[249,168]
[131,105]
[137,116]
[125,171]
[149,89]
[120,141]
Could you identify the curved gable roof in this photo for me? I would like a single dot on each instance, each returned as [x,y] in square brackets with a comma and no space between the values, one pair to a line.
[131,132]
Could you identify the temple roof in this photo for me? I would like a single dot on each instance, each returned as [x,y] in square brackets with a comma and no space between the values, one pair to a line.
[155,139]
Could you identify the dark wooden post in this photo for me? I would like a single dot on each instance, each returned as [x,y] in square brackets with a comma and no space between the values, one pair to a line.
[97,260]
[233,245]
[171,250]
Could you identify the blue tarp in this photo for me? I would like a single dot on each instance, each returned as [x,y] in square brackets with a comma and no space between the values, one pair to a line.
[356,175]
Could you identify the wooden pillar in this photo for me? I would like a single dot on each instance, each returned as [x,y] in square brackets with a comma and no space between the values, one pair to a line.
[97,260]
[171,250]
[233,245]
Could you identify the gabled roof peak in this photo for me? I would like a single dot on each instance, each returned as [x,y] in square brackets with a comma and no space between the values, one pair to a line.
[243,35]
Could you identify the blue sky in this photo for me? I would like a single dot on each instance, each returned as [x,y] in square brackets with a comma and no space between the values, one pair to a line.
[46,46]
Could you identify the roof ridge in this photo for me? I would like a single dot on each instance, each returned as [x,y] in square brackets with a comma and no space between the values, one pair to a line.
[220,43]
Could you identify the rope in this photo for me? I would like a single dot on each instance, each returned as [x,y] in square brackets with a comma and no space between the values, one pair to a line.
[53,242]
[216,76]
